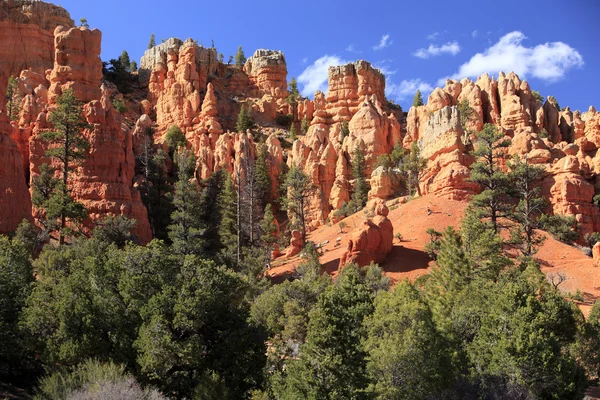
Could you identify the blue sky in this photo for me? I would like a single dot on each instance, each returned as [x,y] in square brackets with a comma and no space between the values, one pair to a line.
[552,44]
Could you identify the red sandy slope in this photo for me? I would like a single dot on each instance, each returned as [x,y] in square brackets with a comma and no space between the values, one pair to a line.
[408,260]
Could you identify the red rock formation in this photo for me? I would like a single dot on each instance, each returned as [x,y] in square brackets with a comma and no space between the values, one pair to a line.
[27,38]
[15,202]
[295,244]
[104,184]
[372,242]
[268,72]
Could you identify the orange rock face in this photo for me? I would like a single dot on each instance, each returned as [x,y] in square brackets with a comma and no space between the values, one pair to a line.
[295,244]
[105,181]
[15,203]
[27,38]
[372,242]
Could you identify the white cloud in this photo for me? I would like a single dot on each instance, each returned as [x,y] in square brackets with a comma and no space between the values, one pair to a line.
[433,50]
[384,42]
[314,77]
[407,88]
[475,33]
[352,49]
[548,61]
[433,36]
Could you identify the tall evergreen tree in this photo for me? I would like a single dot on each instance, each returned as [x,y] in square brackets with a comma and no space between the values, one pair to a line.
[408,358]
[125,61]
[245,119]
[413,165]
[492,201]
[525,182]
[186,230]
[418,99]
[269,229]
[332,363]
[296,200]
[240,58]
[262,177]
[13,99]
[228,228]
[360,195]
[69,147]
[155,189]
[152,41]
[294,93]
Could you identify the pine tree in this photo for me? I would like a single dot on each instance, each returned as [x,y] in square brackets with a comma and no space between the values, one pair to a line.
[294,95]
[84,22]
[293,135]
[269,230]
[332,363]
[13,99]
[245,119]
[305,125]
[262,177]
[155,189]
[152,42]
[296,200]
[133,67]
[175,139]
[492,201]
[483,246]
[417,100]
[124,61]
[240,58]
[525,180]
[186,230]
[69,147]
[413,166]
[228,228]
[360,195]
[221,58]
[467,115]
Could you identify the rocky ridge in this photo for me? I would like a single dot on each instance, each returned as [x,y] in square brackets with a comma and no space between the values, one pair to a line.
[185,84]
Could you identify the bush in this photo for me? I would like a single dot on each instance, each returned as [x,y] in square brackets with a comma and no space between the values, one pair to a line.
[432,248]
[284,120]
[175,138]
[120,106]
[93,380]
[562,227]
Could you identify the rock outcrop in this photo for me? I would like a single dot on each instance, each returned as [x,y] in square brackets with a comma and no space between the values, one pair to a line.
[27,38]
[371,242]
[104,183]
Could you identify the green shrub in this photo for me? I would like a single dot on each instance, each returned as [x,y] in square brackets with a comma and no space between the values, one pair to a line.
[175,138]
[562,227]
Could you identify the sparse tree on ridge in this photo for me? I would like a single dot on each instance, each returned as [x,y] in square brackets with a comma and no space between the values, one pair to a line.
[152,42]
[240,58]
[418,99]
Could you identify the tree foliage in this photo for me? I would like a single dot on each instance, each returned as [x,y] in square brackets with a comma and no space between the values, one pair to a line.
[13,99]
[418,99]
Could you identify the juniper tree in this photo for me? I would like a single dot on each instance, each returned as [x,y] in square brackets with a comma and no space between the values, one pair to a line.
[68,147]
[13,99]
[492,201]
